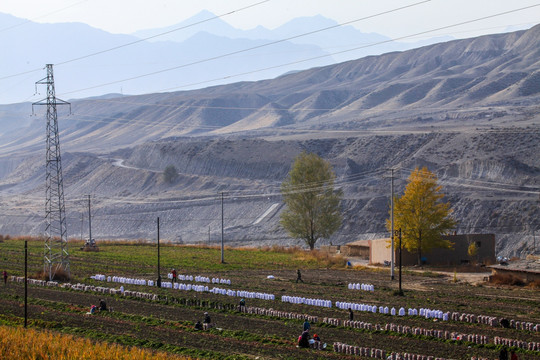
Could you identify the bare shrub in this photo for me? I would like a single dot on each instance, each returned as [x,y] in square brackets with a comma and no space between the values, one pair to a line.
[322,257]
[499,279]
[534,284]
[60,275]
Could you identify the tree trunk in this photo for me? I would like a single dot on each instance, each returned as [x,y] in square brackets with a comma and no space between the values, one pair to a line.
[419,247]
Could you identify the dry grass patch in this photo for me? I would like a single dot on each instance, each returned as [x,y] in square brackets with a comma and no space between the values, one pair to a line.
[20,343]
[512,280]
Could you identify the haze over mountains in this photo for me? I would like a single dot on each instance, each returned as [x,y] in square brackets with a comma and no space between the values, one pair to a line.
[68,46]
[466,109]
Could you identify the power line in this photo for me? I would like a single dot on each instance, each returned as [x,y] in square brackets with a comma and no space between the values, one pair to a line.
[293,62]
[230,76]
[29,21]
[326,55]
[248,49]
[160,34]
[484,184]
[41,16]
[127,44]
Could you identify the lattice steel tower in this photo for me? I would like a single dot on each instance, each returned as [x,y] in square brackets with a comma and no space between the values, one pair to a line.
[56,256]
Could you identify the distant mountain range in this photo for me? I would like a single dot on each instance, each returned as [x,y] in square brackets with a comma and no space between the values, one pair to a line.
[431,86]
[207,54]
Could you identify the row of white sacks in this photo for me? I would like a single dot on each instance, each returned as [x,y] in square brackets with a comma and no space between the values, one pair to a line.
[243,294]
[123,280]
[365,287]
[132,281]
[198,278]
[88,288]
[306,301]
[427,313]
[215,290]
[176,286]
[20,279]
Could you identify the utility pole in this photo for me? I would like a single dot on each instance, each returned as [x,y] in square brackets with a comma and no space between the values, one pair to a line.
[158,269]
[222,254]
[533,231]
[534,242]
[56,254]
[90,239]
[82,224]
[25,283]
[392,237]
[398,233]
[392,224]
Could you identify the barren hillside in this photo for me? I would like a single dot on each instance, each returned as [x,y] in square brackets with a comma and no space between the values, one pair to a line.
[466,109]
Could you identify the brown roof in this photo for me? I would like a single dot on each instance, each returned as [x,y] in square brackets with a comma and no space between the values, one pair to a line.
[359,243]
[363,243]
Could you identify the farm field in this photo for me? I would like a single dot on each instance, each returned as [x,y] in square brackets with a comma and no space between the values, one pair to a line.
[167,324]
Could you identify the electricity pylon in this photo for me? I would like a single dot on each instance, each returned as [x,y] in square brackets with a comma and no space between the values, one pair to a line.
[56,254]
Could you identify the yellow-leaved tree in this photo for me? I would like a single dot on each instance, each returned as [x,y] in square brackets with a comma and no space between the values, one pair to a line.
[422,215]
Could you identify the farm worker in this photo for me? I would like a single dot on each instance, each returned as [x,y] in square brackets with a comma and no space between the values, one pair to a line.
[316,337]
[198,325]
[207,318]
[513,355]
[93,309]
[351,315]
[207,322]
[303,340]
[242,304]
[5,277]
[102,305]
[173,275]
[503,354]
[298,276]
[307,326]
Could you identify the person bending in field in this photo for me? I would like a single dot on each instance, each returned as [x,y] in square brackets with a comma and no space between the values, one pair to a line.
[198,325]
[303,340]
[503,354]
[102,305]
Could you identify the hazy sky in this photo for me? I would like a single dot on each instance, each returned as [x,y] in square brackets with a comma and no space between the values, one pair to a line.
[127,16]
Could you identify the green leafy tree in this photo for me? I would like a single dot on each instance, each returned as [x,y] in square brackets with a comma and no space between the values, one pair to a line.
[422,215]
[170,174]
[312,203]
